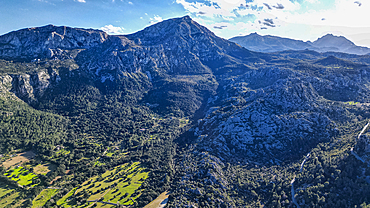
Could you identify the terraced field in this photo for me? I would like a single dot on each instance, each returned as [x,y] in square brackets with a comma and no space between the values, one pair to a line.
[43,197]
[115,186]
[9,197]
[63,201]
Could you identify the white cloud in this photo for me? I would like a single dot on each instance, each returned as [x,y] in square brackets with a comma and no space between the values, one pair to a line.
[311,16]
[155,19]
[238,11]
[344,13]
[82,1]
[215,7]
[110,29]
[313,1]
[130,3]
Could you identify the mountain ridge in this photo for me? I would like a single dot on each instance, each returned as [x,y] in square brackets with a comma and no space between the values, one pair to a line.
[326,43]
[47,41]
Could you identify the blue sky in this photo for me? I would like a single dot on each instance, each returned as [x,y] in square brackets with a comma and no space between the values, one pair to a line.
[298,19]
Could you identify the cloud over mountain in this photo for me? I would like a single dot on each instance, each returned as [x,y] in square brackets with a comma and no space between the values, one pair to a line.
[113,30]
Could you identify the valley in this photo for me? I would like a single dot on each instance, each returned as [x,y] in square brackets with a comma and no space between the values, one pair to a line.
[175,116]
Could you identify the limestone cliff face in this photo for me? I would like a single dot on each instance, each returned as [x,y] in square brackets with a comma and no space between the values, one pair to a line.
[30,87]
[47,41]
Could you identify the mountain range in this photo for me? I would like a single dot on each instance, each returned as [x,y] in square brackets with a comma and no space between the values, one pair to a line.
[175,109]
[327,43]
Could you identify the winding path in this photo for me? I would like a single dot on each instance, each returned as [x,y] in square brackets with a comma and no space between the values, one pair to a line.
[363,130]
[352,151]
[293,193]
[309,154]
[292,182]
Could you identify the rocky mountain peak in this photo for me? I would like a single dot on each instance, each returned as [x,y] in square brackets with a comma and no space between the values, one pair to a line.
[178,46]
[330,40]
[183,27]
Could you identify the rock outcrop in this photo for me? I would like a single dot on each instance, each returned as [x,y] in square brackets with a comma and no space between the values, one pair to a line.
[30,87]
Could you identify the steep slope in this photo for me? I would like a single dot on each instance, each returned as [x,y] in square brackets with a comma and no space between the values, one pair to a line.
[175,46]
[177,55]
[262,125]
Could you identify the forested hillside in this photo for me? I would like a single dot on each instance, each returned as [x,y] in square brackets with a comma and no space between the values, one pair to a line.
[93,120]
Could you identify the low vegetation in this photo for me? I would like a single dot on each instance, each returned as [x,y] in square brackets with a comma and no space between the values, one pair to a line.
[44,169]
[10,196]
[22,176]
[43,197]
[119,185]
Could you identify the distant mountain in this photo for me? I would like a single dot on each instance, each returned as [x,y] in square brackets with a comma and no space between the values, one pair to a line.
[334,43]
[326,43]
[269,43]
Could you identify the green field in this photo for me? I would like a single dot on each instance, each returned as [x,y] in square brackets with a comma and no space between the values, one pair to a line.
[43,197]
[109,154]
[63,201]
[21,175]
[8,195]
[117,185]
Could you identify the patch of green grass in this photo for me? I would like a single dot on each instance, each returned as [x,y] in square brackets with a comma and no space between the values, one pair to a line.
[43,197]
[98,163]
[21,175]
[62,152]
[63,201]
[109,154]
[351,103]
